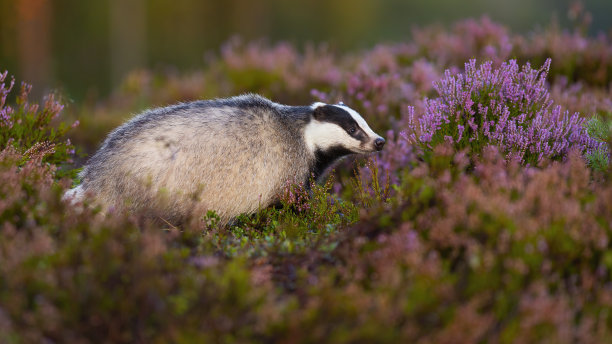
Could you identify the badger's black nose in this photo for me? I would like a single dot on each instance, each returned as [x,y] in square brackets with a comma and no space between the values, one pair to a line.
[379,143]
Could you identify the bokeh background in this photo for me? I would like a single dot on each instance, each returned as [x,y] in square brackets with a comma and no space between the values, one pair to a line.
[85,48]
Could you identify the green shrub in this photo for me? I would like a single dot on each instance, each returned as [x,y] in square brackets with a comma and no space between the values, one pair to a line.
[600,130]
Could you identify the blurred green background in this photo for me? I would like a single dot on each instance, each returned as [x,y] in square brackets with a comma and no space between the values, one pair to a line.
[84,48]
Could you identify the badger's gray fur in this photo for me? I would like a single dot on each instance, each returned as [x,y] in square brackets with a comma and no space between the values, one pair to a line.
[231,155]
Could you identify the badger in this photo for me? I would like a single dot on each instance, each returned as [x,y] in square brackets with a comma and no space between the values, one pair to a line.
[233,156]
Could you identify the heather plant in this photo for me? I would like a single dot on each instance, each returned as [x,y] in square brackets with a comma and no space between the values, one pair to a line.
[601,130]
[577,56]
[31,129]
[485,255]
[369,185]
[471,38]
[24,179]
[509,107]
[578,97]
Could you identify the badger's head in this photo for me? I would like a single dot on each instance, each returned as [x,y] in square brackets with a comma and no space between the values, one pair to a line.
[337,130]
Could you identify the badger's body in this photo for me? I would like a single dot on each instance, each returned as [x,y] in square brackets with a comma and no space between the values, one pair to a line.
[230,155]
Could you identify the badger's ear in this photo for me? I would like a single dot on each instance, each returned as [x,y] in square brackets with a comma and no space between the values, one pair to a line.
[320,111]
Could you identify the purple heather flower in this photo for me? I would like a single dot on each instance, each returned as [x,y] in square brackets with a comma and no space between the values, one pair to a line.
[509,107]
[5,111]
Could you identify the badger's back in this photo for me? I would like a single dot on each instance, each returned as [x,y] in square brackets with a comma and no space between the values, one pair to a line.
[231,156]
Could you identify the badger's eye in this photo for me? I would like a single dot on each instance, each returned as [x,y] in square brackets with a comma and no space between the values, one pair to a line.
[352,130]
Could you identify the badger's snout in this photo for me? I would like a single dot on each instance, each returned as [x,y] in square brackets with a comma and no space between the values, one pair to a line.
[379,143]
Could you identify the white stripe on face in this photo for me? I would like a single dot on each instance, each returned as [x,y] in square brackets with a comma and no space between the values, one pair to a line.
[324,135]
[360,121]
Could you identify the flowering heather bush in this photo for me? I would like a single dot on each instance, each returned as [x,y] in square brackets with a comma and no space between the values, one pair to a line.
[509,107]
[504,253]
[29,128]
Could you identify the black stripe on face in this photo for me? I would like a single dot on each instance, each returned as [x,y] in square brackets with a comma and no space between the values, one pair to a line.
[325,158]
[341,117]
